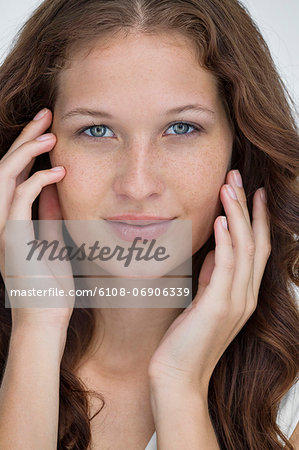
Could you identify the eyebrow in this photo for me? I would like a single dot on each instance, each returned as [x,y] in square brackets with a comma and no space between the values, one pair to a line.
[97,113]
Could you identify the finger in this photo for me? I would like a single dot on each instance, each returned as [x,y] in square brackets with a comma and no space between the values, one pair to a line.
[206,272]
[37,126]
[219,288]
[13,166]
[17,234]
[234,179]
[49,206]
[242,242]
[32,130]
[50,228]
[262,237]
[49,214]
[18,160]
[27,192]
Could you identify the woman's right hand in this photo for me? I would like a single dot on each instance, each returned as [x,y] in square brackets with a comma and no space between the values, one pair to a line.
[18,193]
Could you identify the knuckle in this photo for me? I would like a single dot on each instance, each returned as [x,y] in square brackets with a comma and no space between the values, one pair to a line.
[219,309]
[240,306]
[222,310]
[251,307]
[250,248]
[23,132]
[40,175]
[240,316]
[3,169]
[33,183]
[19,191]
[22,146]
[268,250]
[229,264]
[240,313]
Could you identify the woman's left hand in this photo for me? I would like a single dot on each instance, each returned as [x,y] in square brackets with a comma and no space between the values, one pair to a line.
[228,288]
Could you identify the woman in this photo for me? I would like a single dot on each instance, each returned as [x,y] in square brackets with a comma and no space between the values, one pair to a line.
[212,376]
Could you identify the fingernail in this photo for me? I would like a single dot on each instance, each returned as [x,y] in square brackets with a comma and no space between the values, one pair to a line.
[57,168]
[44,137]
[41,114]
[231,192]
[237,178]
[263,195]
[224,222]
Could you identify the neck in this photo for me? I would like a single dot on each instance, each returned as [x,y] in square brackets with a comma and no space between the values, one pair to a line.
[126,338]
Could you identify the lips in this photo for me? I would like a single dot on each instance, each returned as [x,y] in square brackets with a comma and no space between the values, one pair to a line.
[145,229]
[137,216]
[139,222]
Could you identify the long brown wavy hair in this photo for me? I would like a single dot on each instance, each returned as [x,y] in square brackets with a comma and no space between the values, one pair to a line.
[261,363]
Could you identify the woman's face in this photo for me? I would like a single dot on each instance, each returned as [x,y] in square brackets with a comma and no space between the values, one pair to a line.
[125,148]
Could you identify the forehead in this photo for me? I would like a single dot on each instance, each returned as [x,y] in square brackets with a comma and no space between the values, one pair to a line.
[136,67]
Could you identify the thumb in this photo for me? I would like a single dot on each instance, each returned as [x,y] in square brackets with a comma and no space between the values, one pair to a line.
[206,272]
[50,215]
[49,206]
[50,221]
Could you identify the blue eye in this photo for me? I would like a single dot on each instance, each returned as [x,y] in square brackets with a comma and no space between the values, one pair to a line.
[96,131]
[181,128]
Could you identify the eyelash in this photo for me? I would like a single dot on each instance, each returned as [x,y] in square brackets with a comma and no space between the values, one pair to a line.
[196,129]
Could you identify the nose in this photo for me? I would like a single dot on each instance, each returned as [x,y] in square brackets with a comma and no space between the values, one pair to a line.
[139,175]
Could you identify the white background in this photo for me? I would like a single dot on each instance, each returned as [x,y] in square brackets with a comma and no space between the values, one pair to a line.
[277,19]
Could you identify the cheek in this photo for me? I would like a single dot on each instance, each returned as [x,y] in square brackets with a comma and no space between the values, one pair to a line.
[204,208]
[198,188]
[79,191]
